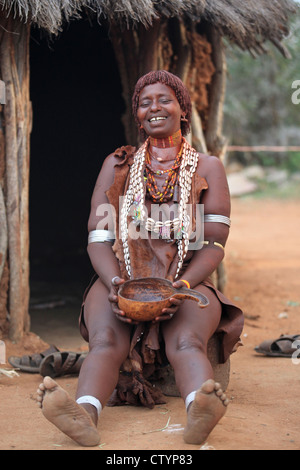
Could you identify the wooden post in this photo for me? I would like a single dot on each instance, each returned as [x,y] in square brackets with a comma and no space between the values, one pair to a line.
[2,92]
[215,142]
[15,127]
[136,53]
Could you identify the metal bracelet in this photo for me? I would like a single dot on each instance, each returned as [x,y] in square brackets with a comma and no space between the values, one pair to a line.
[101,236]
[217,218]
[214,243]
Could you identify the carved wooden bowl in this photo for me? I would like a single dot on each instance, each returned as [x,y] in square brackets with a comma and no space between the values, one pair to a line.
[144,299]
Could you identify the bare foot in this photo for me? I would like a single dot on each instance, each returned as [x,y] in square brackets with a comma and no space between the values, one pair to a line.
[204,413]
[59,408]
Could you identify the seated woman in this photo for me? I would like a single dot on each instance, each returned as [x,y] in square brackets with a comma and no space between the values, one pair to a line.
[164,176]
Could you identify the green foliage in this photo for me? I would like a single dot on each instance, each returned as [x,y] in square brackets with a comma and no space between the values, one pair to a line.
[293,162]
[258,107]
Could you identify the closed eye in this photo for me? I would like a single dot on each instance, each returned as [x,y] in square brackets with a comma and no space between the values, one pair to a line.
[145,104]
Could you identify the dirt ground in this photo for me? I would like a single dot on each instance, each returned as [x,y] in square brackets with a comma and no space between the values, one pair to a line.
[263,269]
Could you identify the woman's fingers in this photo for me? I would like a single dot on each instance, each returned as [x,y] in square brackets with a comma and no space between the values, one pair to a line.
[168,312]
[163,317]
[179,284]
[113,298]
[175,303]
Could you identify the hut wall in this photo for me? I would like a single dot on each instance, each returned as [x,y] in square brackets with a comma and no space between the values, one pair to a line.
[15,127]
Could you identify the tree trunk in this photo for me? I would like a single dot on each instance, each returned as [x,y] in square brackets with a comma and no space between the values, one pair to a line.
[215,141]
[15,127]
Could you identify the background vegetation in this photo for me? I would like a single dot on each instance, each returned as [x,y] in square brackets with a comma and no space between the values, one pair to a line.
[259,108]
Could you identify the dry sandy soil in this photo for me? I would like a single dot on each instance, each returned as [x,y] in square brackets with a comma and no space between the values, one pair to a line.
[263,268]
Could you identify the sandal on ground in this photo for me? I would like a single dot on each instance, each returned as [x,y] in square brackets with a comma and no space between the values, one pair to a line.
[31,363]
[280,347]
[62,363]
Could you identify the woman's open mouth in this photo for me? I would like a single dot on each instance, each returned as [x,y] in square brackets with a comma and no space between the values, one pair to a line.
[157,119]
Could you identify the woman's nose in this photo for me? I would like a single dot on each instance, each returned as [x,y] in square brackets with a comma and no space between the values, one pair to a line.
[155,105]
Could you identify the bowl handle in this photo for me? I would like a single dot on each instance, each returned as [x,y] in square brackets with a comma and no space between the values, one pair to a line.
[191,294]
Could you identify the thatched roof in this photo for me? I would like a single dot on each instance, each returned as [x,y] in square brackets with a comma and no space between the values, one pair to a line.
[246,23]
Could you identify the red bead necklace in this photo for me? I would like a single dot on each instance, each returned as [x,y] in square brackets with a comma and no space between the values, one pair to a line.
[167,192]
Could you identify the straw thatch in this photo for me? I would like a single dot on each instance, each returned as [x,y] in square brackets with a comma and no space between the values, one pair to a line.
[246,23]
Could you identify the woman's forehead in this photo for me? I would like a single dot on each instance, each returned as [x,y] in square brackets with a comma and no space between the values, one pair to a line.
[156,89]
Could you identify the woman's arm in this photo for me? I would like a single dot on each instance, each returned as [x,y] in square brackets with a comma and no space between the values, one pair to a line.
[101,217]
[216,200]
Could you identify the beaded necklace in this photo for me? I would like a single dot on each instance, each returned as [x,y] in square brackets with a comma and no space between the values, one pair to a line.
[167,192]
[134,200]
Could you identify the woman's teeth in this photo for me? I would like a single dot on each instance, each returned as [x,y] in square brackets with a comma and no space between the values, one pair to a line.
[159,118]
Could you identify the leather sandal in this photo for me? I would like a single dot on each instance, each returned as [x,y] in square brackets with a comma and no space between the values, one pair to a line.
[62,363]
[280,347]
[31,363]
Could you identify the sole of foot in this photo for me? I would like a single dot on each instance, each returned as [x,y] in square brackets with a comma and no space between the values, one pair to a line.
[208,407]
[69,417]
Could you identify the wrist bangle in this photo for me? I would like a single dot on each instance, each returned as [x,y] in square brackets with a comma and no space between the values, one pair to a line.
[214,243]
[186,283]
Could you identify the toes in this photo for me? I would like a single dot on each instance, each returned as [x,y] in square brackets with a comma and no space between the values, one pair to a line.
[40,394]
[223,397]
[41,388]
[208,386]
[217,386]
[49,383]
[211,386]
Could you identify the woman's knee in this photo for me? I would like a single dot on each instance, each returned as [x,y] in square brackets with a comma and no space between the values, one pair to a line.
[185,342]
[108,341]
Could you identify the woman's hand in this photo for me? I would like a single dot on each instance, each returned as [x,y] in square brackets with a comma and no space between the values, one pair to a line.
[168,312]
[116,282]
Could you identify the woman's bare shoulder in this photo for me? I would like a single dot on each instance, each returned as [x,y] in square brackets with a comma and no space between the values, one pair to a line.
[210,165]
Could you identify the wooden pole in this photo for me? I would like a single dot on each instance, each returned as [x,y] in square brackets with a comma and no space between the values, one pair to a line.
[126,50]
[263,148]
[2,92]
[13,219]
[183,52]
[14,70]
[215,142]
[20,72]
[198,139]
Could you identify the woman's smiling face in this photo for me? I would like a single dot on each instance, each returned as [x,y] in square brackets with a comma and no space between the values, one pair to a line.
[159,111]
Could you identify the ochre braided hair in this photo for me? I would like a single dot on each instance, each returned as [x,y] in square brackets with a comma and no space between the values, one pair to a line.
[174,82]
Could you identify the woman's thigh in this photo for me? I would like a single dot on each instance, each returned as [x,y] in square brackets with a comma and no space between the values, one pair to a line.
[192,326]
[104,328]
